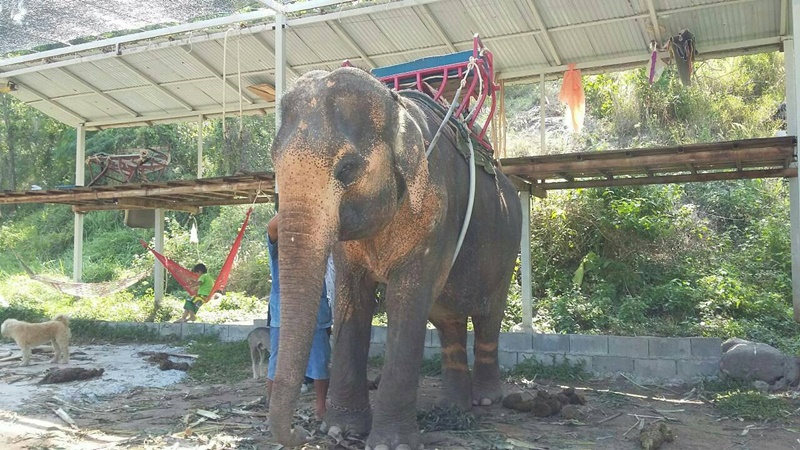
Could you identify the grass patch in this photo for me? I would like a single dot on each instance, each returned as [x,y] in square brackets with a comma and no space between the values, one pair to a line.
[377,361]
[558,371]
[431,367]
[751,405]
[86,331]
[445,419]
[220,362]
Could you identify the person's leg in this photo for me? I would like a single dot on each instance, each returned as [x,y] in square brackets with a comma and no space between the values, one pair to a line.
[318,369]
[274,336]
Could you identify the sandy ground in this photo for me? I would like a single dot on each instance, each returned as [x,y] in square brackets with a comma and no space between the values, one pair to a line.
[143,408]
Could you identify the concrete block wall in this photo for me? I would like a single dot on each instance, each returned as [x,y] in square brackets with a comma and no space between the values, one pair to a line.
[645,358]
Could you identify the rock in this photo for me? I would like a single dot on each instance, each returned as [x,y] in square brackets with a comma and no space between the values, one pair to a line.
[762,386]
[732,342]
[655,434]
[753,361]
[571,412]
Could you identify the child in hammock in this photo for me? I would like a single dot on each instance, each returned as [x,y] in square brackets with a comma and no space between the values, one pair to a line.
[191,306]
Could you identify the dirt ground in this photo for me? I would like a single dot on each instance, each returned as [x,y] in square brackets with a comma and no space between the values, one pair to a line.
[178,413]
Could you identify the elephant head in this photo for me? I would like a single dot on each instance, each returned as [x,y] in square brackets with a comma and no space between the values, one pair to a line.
[348,155]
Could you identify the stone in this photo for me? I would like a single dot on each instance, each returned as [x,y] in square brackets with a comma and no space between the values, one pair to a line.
[755,361]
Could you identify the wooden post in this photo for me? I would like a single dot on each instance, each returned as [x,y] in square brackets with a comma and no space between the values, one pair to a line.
[77,238]
[280,70]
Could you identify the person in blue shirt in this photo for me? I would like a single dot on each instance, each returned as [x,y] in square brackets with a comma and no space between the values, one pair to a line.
[319,359]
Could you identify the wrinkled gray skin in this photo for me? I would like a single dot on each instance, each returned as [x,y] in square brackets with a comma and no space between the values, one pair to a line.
[353,179]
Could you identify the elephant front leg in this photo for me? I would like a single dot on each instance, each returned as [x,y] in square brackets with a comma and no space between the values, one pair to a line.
[394,423]
[348,406]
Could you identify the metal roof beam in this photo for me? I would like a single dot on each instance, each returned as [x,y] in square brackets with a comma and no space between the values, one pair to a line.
[214,72]
[353,44]
[46,99]
[545,34]
[97,91]
[312,4]
[654,21]
[177,116]
[784,28]
[626,62]
[269,48]
[185,28]
[153,83]
[273,5]
[358,11]
[428,17]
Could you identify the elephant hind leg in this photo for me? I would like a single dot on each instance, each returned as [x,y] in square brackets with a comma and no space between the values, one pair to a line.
[456,382]
[486,386]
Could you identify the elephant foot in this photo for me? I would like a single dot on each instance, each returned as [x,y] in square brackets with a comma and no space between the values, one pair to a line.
[394,439]
[344,421]
[456,387]
[486,394]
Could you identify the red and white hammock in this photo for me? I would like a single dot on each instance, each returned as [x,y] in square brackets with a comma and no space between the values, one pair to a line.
[188,279]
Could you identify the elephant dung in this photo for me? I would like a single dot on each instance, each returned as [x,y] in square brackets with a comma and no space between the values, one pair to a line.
[571,412]
[570,397]
[518,402]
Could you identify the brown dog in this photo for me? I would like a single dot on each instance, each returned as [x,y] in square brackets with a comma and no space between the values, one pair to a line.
[29,335]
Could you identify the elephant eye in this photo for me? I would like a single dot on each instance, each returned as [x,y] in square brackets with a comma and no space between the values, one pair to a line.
[348,169]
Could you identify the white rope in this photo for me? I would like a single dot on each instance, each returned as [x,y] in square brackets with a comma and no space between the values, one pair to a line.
[239,69]
[472,176]
[452,108]
[224,72]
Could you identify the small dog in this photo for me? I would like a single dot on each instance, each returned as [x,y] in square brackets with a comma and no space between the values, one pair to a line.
[29,335]
[259,341]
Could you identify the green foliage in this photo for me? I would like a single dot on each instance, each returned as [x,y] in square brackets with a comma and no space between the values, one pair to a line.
[531,369]
[751,405]
[431,367]
[446,419]
[220,362]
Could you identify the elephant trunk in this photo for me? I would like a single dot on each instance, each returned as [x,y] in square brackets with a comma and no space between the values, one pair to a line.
[304,245]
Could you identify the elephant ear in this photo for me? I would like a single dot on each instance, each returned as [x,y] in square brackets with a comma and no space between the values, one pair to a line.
[409,152]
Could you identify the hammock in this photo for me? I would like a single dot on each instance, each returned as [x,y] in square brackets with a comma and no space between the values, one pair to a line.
[188,279]
[85,290]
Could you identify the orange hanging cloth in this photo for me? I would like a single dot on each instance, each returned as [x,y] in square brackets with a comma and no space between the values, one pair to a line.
[572,95]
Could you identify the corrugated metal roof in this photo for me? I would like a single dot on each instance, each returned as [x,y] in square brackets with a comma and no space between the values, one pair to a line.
[178,77]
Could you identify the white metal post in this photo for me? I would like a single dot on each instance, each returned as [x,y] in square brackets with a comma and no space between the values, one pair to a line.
[525,260]
[792,85]
[77,239]
[158,270]
[200,146]
[280,70]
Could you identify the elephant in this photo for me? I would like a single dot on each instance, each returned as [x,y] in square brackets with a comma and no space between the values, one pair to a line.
[354,180]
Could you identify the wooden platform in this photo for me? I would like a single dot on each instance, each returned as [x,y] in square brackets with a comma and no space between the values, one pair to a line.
[180,195]
[752,158]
